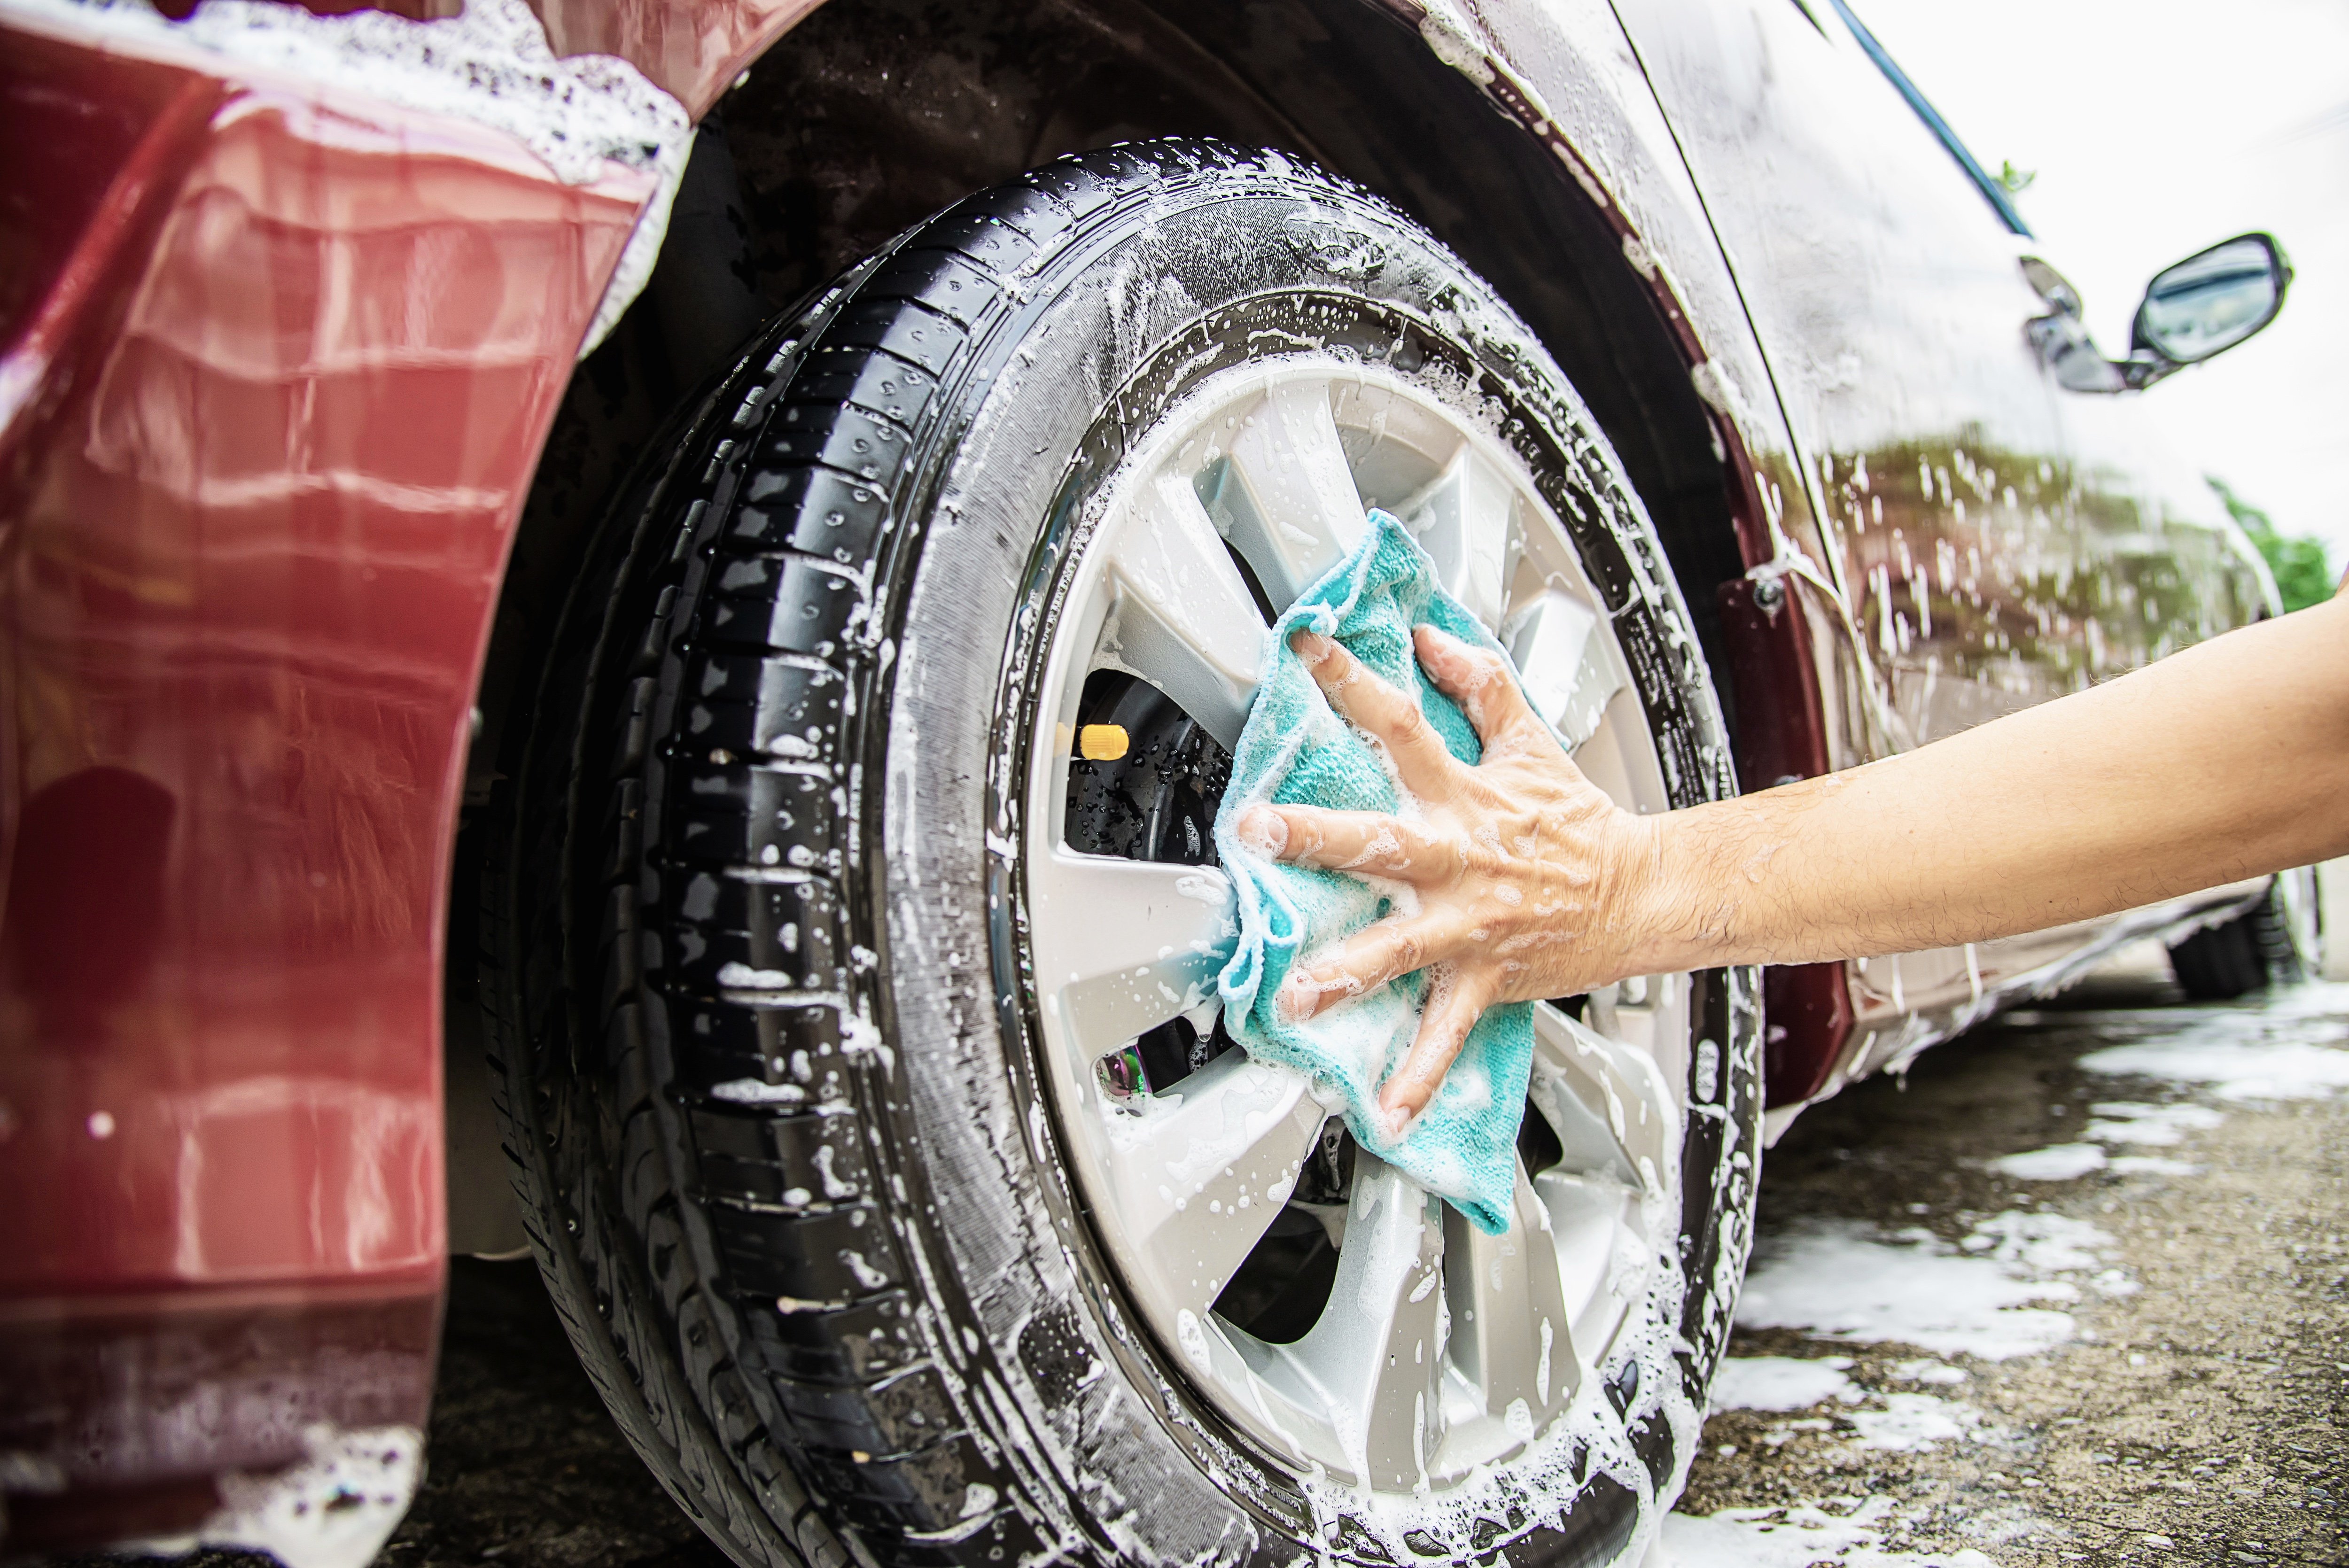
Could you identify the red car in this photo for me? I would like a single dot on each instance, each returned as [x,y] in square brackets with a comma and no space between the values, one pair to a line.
[705,557]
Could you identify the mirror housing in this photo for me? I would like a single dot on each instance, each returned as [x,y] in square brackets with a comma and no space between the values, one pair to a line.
[2193,311]
[2206,304]
[2061,335]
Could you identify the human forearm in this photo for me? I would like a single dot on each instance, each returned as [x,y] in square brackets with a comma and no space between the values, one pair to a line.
[2228,760]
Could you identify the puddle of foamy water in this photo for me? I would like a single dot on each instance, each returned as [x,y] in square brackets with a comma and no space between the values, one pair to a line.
[2037,1245]
[2233,1070]
[2151,1165]
[1798,1537]
[1841,1280]
[1782,1383]
[1905,1422]
[2116,1121]
[2288,1047]
[1846,1281]
[2135,1121]
[2056,1163]
[1911,1421]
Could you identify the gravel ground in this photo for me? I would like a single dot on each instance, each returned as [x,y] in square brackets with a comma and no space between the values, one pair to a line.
[2199,1410]
[2191,1404]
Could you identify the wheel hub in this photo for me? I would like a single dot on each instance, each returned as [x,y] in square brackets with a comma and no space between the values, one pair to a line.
[1322,1303]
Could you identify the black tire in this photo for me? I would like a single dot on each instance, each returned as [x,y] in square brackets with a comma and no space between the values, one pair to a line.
[761,1049]
[2271,944]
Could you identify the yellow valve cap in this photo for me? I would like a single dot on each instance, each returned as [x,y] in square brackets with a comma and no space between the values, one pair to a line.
[1101,742]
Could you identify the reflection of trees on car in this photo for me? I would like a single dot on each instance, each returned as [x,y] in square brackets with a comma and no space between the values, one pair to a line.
[1978,573]
[2303,574]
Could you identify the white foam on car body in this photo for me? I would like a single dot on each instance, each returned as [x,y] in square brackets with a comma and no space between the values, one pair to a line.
[583,117]
[335,1509]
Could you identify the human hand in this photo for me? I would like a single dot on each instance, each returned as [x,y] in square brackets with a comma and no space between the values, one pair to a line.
[1518,861]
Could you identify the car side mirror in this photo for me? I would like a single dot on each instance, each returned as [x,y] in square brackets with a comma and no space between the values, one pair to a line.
[2208,303]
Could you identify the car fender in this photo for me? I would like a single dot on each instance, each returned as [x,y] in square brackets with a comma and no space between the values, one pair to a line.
[269,415]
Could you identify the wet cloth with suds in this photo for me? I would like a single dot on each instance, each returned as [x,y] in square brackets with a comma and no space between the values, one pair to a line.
[1296,751]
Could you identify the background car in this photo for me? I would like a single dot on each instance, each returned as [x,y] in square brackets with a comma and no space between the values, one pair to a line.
[710,557]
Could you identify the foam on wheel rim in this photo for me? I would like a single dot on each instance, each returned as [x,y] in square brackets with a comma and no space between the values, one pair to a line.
[1205,1175]
[782,1097]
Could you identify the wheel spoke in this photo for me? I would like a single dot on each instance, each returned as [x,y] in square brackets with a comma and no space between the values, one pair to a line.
[1618,1123]
[1466,520]
[1569,664]
[1611,1110]
[1511,1333]
[1120,946]
[1376,1356]
[1201,1171]
[1302,512]
[1594,1237]
[1647,1014]
[1185,620]
[1609,757]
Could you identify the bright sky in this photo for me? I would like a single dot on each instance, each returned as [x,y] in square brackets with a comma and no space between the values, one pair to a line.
[2158,127]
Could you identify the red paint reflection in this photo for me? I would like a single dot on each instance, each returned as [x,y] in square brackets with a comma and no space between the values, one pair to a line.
[254,517]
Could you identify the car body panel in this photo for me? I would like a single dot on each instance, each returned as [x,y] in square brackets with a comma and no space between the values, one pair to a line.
[1999,541]
[1568,72]
[280,360]
[691,49]
[261,480]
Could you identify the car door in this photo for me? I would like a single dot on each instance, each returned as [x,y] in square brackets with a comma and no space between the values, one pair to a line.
[1884,272]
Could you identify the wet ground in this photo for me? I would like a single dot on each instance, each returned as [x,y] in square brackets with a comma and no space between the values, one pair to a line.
[527,1470]
[2145,1361]
[2091,1302]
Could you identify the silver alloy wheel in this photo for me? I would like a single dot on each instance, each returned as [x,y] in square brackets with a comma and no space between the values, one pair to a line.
[1439,1350]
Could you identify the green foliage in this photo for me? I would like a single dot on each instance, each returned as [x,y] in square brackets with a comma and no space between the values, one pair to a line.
[2017,180]
[2302,575]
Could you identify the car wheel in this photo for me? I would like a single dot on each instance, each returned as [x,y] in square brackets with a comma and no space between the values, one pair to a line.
[854,945]
[2276,942]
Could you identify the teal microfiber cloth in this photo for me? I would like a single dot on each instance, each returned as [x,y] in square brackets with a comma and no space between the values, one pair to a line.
[1296,751]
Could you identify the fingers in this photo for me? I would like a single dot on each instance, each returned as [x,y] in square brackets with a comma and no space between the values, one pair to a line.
[1427,766]
[1477,679]
[1398,945]
[1361,841]
[1456,1000]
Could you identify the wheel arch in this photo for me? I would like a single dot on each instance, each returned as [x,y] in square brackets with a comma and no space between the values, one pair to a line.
[1351,84]
[805,166]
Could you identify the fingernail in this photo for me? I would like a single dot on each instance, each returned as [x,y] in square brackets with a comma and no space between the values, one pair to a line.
[1309,645]
[1264,830]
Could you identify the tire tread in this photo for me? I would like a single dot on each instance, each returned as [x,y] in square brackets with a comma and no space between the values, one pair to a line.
[771,1363]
